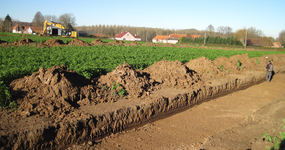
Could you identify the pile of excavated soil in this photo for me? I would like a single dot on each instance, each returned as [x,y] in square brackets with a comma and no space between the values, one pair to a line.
[97,42]
[53,93]
[22,42]
[78,42]
[54,42]
[133,43]
[116,42]
[149,44]
[173,74]
[205,67]
[134,82]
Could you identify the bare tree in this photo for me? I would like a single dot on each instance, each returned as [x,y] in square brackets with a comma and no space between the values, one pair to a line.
[67,20]
[281,37]
[211,29]
[228,31]
[38,20]
[221,31]
[52,18]
[254,33]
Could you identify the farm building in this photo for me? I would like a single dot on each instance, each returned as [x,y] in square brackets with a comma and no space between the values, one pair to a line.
[172,38]
[127,36]
[26,29]
[18,29]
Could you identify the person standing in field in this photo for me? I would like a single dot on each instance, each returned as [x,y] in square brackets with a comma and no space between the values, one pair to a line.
[269,71]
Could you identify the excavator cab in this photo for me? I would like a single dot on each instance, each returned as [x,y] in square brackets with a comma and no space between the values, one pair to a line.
[67,33]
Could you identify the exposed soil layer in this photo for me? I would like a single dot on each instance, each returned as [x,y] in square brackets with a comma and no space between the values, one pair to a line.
[58,107]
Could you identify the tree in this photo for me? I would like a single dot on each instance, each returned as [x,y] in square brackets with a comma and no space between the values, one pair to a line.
[241,35]
[282,37]
[1,22]
[7,24]
[211,29]
[266,41]
[51,18]
[38,20]
[228,31]
[221,31]
[66,19]
[254,33]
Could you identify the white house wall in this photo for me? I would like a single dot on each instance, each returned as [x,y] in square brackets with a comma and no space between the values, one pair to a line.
[128,37]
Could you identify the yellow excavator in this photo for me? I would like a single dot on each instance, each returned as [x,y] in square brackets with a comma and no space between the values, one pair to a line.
[64,32]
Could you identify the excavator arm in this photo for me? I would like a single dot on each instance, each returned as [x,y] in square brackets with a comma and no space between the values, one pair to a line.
[65,32]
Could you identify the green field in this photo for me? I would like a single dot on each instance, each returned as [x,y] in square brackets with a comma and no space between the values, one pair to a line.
[92,61]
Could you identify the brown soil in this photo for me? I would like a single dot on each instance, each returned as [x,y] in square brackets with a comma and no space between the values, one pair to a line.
[59,108]
[78,42]
[54,42]
[97,42]
[133,43]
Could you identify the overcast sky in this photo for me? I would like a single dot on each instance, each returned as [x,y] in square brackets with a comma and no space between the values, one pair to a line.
[264,15]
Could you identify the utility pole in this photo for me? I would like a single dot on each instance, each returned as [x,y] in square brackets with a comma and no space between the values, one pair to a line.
[205,37]
[245,39]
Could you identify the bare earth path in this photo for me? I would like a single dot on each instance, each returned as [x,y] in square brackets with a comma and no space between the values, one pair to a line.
[190,129]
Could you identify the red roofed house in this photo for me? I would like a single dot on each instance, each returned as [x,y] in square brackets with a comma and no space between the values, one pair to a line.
[172,38]
[127,36]
[32,30]
[17,29]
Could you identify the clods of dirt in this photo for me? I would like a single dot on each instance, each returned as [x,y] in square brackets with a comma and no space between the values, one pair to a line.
[133,43]
[173,74]
[22,42]
[134,82]
[54,42]
[97,42]
[78,42]
[205,67]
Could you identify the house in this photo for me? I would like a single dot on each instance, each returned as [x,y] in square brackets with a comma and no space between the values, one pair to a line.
[127,36]
[277,44]
[172,38]
[177,36]
[0,28]
[26,29]
[17,29]
[32,30]
[163,39]
[254,42]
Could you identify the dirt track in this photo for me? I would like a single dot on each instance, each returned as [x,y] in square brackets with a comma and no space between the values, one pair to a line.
[228,122]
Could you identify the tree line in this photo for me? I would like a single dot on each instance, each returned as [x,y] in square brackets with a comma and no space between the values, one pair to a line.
[222,34]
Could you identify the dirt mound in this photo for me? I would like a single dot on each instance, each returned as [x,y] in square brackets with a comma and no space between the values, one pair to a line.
[173,74]
[78,42]
[51,92]
[22,42]
[116,42]
[54,42]
[133,43]
[149,44]
[97,42]
[205,67]
[245,62]
[134,82]
[226,64]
